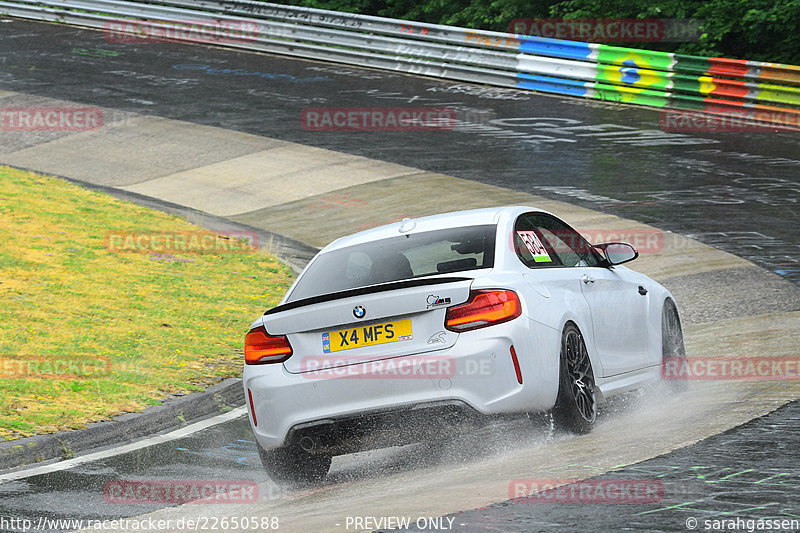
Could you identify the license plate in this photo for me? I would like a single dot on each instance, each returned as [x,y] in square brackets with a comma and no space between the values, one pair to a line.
[346,339]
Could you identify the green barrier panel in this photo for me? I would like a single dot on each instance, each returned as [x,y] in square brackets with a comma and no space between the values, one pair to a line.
[632,57]
[689,84]
[630,95]
[687,102]
[694,64]
[776,93]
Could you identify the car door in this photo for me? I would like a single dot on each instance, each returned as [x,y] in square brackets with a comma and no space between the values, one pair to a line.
[619,317]
[617,311]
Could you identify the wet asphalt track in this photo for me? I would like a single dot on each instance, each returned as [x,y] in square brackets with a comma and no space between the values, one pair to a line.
[749,472]
[737,192]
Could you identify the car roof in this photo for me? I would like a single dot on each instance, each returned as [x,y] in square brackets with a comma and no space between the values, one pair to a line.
[455,219]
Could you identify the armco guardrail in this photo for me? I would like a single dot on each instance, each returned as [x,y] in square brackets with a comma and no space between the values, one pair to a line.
[766,92]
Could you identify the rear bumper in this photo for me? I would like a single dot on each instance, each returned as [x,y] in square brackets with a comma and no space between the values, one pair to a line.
[382,428]
[337,410]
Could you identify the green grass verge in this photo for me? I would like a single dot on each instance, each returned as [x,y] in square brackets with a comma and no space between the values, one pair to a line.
[87,333]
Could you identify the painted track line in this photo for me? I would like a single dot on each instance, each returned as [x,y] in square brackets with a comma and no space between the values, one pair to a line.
[119,450]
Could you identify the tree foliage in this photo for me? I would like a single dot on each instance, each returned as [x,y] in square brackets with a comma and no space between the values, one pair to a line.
[763,30]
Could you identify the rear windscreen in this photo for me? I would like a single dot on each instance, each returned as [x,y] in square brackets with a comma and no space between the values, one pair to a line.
[398,258]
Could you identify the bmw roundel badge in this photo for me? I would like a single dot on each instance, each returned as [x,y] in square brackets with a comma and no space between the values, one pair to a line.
[359,311]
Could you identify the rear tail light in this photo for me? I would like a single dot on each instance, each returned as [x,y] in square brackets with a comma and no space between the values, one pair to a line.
[262,348]
[484,308]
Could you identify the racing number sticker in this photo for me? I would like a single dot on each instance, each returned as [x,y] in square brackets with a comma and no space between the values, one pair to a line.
[534,246]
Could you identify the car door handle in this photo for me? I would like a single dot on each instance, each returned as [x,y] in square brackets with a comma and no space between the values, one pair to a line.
[642,290]
[586,278]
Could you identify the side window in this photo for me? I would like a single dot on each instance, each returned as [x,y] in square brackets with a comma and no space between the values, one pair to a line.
[542,240]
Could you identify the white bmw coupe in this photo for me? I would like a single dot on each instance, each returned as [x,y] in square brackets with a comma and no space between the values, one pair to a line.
[489,311]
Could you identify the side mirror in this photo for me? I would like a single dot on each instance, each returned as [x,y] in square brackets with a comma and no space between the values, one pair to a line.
[617,253]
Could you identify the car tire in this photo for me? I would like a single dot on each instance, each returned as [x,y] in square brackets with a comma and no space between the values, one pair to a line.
[575,410]
[292,465]
[672,347]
